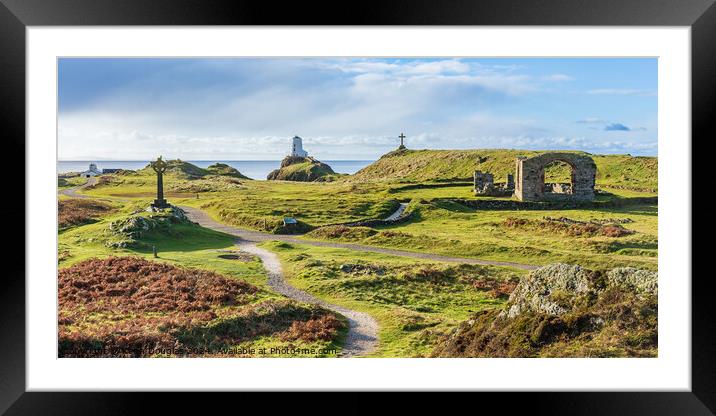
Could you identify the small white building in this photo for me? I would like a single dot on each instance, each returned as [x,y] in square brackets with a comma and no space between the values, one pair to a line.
[92,171]
[297,149]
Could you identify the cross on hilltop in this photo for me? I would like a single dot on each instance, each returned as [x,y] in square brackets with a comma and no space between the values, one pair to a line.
[402,136]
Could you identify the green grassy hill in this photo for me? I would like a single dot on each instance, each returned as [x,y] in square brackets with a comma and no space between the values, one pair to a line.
[186,170]
[622,171]
[223,169]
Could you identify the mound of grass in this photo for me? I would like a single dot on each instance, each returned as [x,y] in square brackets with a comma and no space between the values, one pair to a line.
[72,212]
[341,233]
[177,168]
[619,171]
[180,169]
[301,169]
[565,311]
[272,225]
[131,307]
[225,170]
[209,183]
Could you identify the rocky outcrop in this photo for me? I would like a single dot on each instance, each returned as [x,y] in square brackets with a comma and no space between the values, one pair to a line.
[302,169]
[128,231]
[563,310]
[557,288]
[535,292]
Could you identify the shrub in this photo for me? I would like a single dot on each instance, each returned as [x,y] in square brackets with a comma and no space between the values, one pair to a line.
[496,288]
[323,328]
[71,212]
[569,227]
[614,230]
[132,307]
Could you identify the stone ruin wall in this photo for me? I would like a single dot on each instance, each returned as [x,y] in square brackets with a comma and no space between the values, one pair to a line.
[484,184]
[529,178]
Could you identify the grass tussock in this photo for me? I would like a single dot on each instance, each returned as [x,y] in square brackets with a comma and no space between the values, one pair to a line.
[342,232]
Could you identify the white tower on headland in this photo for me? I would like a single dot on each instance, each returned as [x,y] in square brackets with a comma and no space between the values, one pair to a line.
[297,149]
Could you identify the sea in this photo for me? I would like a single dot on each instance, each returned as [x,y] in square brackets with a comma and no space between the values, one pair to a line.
[254,169]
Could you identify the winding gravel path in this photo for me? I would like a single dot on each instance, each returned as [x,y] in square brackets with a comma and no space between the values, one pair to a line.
[203,219]
[362,335]
[72,192]
[362,328]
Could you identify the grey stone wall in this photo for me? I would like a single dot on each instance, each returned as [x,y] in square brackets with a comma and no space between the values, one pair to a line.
[484,184]
[529,177]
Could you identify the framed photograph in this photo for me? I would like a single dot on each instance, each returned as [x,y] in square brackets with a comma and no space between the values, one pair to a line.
[413,197]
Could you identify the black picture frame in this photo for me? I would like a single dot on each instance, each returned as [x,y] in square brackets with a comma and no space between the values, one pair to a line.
[16,15]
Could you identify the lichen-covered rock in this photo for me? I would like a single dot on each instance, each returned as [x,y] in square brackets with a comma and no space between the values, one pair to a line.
[555,289]
[562,310]
[132,228]
[641,281]
[548,290]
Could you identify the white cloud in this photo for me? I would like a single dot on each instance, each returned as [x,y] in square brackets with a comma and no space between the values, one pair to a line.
[557,77]
[344,109]
[591,120]
[621,91]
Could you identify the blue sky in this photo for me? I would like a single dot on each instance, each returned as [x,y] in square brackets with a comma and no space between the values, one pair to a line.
[345,108]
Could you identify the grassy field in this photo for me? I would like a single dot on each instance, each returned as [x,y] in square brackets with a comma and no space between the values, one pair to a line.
[453,229]
[182,245]
[437,225]
[415,302]
[250,203]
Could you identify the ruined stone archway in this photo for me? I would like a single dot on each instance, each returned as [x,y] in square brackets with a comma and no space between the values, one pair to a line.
[529,177]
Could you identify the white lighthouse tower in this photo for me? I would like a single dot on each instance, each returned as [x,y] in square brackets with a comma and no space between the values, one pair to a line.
[297,149]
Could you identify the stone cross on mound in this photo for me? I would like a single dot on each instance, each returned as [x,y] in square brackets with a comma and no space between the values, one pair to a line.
[160,167]
[402,136]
